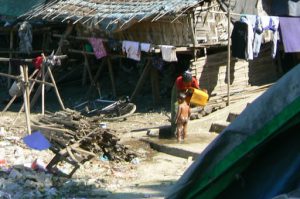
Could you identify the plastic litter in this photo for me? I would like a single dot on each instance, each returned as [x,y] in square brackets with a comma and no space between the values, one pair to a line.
[37,141]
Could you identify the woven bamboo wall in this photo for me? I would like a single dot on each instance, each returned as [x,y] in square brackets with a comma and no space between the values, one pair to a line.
[212,75]
[209,27]
[159,32]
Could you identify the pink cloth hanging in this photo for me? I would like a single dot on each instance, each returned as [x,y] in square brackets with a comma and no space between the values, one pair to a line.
[98,47]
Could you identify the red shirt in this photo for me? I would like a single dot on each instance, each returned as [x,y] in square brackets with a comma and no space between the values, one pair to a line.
[181,85]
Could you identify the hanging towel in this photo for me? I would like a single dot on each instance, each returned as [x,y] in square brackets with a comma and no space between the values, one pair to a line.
[168,53]
[98,47]
[132,50]
[145,47]
[290,31]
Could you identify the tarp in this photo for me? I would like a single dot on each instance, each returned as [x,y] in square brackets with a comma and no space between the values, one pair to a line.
[257,155]
[271,7]
[15,8]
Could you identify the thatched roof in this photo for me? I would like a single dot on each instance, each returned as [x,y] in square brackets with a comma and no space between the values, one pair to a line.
[111,12]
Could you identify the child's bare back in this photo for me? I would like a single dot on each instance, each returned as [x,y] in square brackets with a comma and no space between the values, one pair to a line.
[182,117]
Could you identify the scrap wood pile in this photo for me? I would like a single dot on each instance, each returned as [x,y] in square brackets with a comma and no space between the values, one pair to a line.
[69,131]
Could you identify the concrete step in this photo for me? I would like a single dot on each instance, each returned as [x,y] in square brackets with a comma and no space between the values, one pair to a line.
[219,126]
[232,116]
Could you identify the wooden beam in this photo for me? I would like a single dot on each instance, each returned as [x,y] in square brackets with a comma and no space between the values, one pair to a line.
[142,79]
[55,88]
[111,74]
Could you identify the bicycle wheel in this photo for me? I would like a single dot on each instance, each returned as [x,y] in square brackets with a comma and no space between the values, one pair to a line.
[123,111]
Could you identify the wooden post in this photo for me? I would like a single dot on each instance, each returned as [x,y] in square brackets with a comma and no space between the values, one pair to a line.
[155,85]
[43,86]
[31,88]
[88,68]
[26,97]
[192,30]
[96,76]
[55,88]
[228,58]
[142,79]
[11,45]
[111,74]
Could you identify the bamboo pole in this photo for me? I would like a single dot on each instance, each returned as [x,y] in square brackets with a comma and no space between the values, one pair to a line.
[193,36]
[29,79]
[43,85]
[228,57]
[15,96]
[111,74]
[88,68]
[55,88]
[155,85]
[11,44]
[142,79]
[24,68]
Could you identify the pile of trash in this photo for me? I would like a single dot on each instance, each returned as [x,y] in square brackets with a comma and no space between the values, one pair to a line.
[24,173]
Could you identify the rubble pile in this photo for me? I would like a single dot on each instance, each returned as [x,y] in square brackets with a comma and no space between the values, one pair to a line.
[83,136]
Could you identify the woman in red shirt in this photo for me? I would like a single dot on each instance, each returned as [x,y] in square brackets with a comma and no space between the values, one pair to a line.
[182,84]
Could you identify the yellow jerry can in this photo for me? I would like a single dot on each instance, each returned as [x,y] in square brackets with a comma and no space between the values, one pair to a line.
[199,97]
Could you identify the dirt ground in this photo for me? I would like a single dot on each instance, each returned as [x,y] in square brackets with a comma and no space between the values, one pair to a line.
[146,177]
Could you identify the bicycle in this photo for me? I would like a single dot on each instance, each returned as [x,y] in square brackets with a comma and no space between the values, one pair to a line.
[119,109]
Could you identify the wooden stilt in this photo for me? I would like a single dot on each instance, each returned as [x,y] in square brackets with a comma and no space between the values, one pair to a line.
[96,76]
[26,97]
[11,45]
[55,88]
[84,74]
[9,103]
[88,68]
[30,90]
[111,74]
[142,79]
[155,85]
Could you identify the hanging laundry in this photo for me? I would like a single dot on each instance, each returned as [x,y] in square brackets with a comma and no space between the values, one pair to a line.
[290,31]
[25,35]
[272,23]
[145,47]
[168,53]
[37,62]
[98,47]
[248,19]
[239,39]
[258,30]
[132,50]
